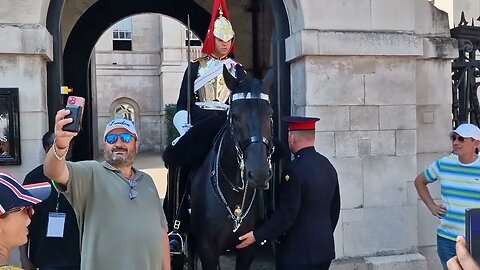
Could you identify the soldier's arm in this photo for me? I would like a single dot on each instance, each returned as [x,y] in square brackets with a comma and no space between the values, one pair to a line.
[183,96]
[335,206]
[286,212]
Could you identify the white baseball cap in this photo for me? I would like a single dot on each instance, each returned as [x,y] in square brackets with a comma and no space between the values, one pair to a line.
[467,131]
[120,123]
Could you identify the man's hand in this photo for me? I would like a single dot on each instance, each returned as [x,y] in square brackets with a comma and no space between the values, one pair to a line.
[247,239]
[438,210]
[463,260]
[63,138]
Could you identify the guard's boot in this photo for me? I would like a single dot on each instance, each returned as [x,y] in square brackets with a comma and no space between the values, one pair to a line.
[175,239]
[176,243]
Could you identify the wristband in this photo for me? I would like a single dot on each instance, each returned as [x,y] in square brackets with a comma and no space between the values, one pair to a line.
[55,148]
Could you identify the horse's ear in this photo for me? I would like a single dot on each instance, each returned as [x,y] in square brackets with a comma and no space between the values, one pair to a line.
[231,81]
[240,72]
[268,80]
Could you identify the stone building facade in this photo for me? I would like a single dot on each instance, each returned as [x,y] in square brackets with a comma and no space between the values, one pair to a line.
[140,80]
[377,72]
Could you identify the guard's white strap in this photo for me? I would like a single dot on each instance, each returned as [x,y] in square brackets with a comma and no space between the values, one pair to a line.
[212,72]
[238,96]
[212,105]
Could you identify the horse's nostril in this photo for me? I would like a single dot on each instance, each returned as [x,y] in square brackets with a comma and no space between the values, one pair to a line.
[250,174]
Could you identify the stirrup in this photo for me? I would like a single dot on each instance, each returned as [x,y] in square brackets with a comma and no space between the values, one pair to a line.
[177,236]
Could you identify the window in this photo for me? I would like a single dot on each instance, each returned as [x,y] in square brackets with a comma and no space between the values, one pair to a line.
[194,40]
[125,111]
[122,35]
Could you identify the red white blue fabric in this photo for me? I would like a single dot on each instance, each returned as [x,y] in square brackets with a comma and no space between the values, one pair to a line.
[13,194]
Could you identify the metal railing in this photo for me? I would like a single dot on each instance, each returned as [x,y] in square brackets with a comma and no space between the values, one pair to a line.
[465,74]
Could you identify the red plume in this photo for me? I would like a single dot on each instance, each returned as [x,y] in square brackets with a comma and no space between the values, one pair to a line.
[209,42]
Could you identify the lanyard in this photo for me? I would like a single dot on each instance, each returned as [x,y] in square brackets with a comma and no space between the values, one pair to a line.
[58,196]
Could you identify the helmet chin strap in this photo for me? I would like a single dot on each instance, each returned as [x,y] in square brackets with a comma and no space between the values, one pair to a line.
[220,56]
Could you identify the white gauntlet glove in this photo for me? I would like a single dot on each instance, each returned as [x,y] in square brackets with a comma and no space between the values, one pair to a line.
[180,121]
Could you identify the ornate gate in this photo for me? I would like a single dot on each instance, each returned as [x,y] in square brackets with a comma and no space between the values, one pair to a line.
[465,74]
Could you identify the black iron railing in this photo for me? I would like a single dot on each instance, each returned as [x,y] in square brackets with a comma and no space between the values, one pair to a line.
[465,74]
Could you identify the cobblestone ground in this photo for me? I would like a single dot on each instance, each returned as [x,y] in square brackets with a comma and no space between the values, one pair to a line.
[263,261]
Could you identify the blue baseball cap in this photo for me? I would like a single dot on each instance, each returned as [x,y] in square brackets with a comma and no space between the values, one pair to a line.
[13,195]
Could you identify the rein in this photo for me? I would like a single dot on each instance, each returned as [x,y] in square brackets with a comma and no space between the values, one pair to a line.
[239,213]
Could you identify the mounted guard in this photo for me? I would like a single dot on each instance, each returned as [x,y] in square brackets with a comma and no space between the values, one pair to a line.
[201,109]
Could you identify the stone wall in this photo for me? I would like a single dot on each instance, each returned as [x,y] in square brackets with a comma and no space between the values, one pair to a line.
[132,77]
[25,49]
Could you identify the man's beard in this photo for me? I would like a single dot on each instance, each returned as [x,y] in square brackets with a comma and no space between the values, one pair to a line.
[118,160]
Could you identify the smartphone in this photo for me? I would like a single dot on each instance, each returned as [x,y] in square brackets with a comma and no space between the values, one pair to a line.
[75,106]
[472,232]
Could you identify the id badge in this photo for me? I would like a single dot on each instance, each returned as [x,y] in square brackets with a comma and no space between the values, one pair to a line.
[56,224]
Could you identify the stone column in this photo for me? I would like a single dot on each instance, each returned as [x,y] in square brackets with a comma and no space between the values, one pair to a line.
[361,66]
[25,49]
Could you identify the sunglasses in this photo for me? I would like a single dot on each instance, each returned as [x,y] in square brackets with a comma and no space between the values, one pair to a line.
[124,137]
[133,191]
[459,138]
[27,209]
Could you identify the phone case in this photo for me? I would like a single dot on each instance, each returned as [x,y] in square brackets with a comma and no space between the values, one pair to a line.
[76,114]
[472,232]
[74,100]
[75,105]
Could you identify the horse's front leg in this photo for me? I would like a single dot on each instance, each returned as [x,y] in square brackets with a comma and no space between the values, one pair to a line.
[245,257]
[209,255]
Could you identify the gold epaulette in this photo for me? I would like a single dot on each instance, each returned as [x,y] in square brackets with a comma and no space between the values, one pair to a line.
[200,58]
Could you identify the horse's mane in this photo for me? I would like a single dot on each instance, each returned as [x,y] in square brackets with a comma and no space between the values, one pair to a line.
[249,85]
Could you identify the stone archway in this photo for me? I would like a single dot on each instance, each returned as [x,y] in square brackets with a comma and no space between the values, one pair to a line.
[100,15]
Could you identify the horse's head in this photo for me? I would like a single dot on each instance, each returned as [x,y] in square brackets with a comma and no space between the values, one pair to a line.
[250,117]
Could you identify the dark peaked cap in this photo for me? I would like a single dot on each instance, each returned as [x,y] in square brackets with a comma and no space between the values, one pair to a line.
[300,122]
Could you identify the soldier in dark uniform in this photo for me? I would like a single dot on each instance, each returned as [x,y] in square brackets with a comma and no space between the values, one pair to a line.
[308,206]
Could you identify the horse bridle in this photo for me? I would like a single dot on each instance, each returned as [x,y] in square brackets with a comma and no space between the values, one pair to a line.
[239,214]
[240,147]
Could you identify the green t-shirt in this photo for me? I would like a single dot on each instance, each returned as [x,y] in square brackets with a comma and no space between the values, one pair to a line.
[115,231]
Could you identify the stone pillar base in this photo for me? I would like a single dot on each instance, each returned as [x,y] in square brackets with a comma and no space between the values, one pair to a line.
[396,262]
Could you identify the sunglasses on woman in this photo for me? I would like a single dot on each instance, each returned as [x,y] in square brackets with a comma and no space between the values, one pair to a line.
[27,209]
[124,137]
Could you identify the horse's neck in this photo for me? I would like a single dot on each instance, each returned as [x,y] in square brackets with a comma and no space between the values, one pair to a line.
[229,178]
[228,158]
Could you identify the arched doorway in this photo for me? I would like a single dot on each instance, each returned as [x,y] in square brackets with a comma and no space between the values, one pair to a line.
[73,69]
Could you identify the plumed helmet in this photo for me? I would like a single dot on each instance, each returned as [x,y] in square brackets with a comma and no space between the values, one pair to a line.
[220,27]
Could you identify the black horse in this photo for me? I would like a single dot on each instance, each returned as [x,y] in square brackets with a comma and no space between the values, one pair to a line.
[225,187]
